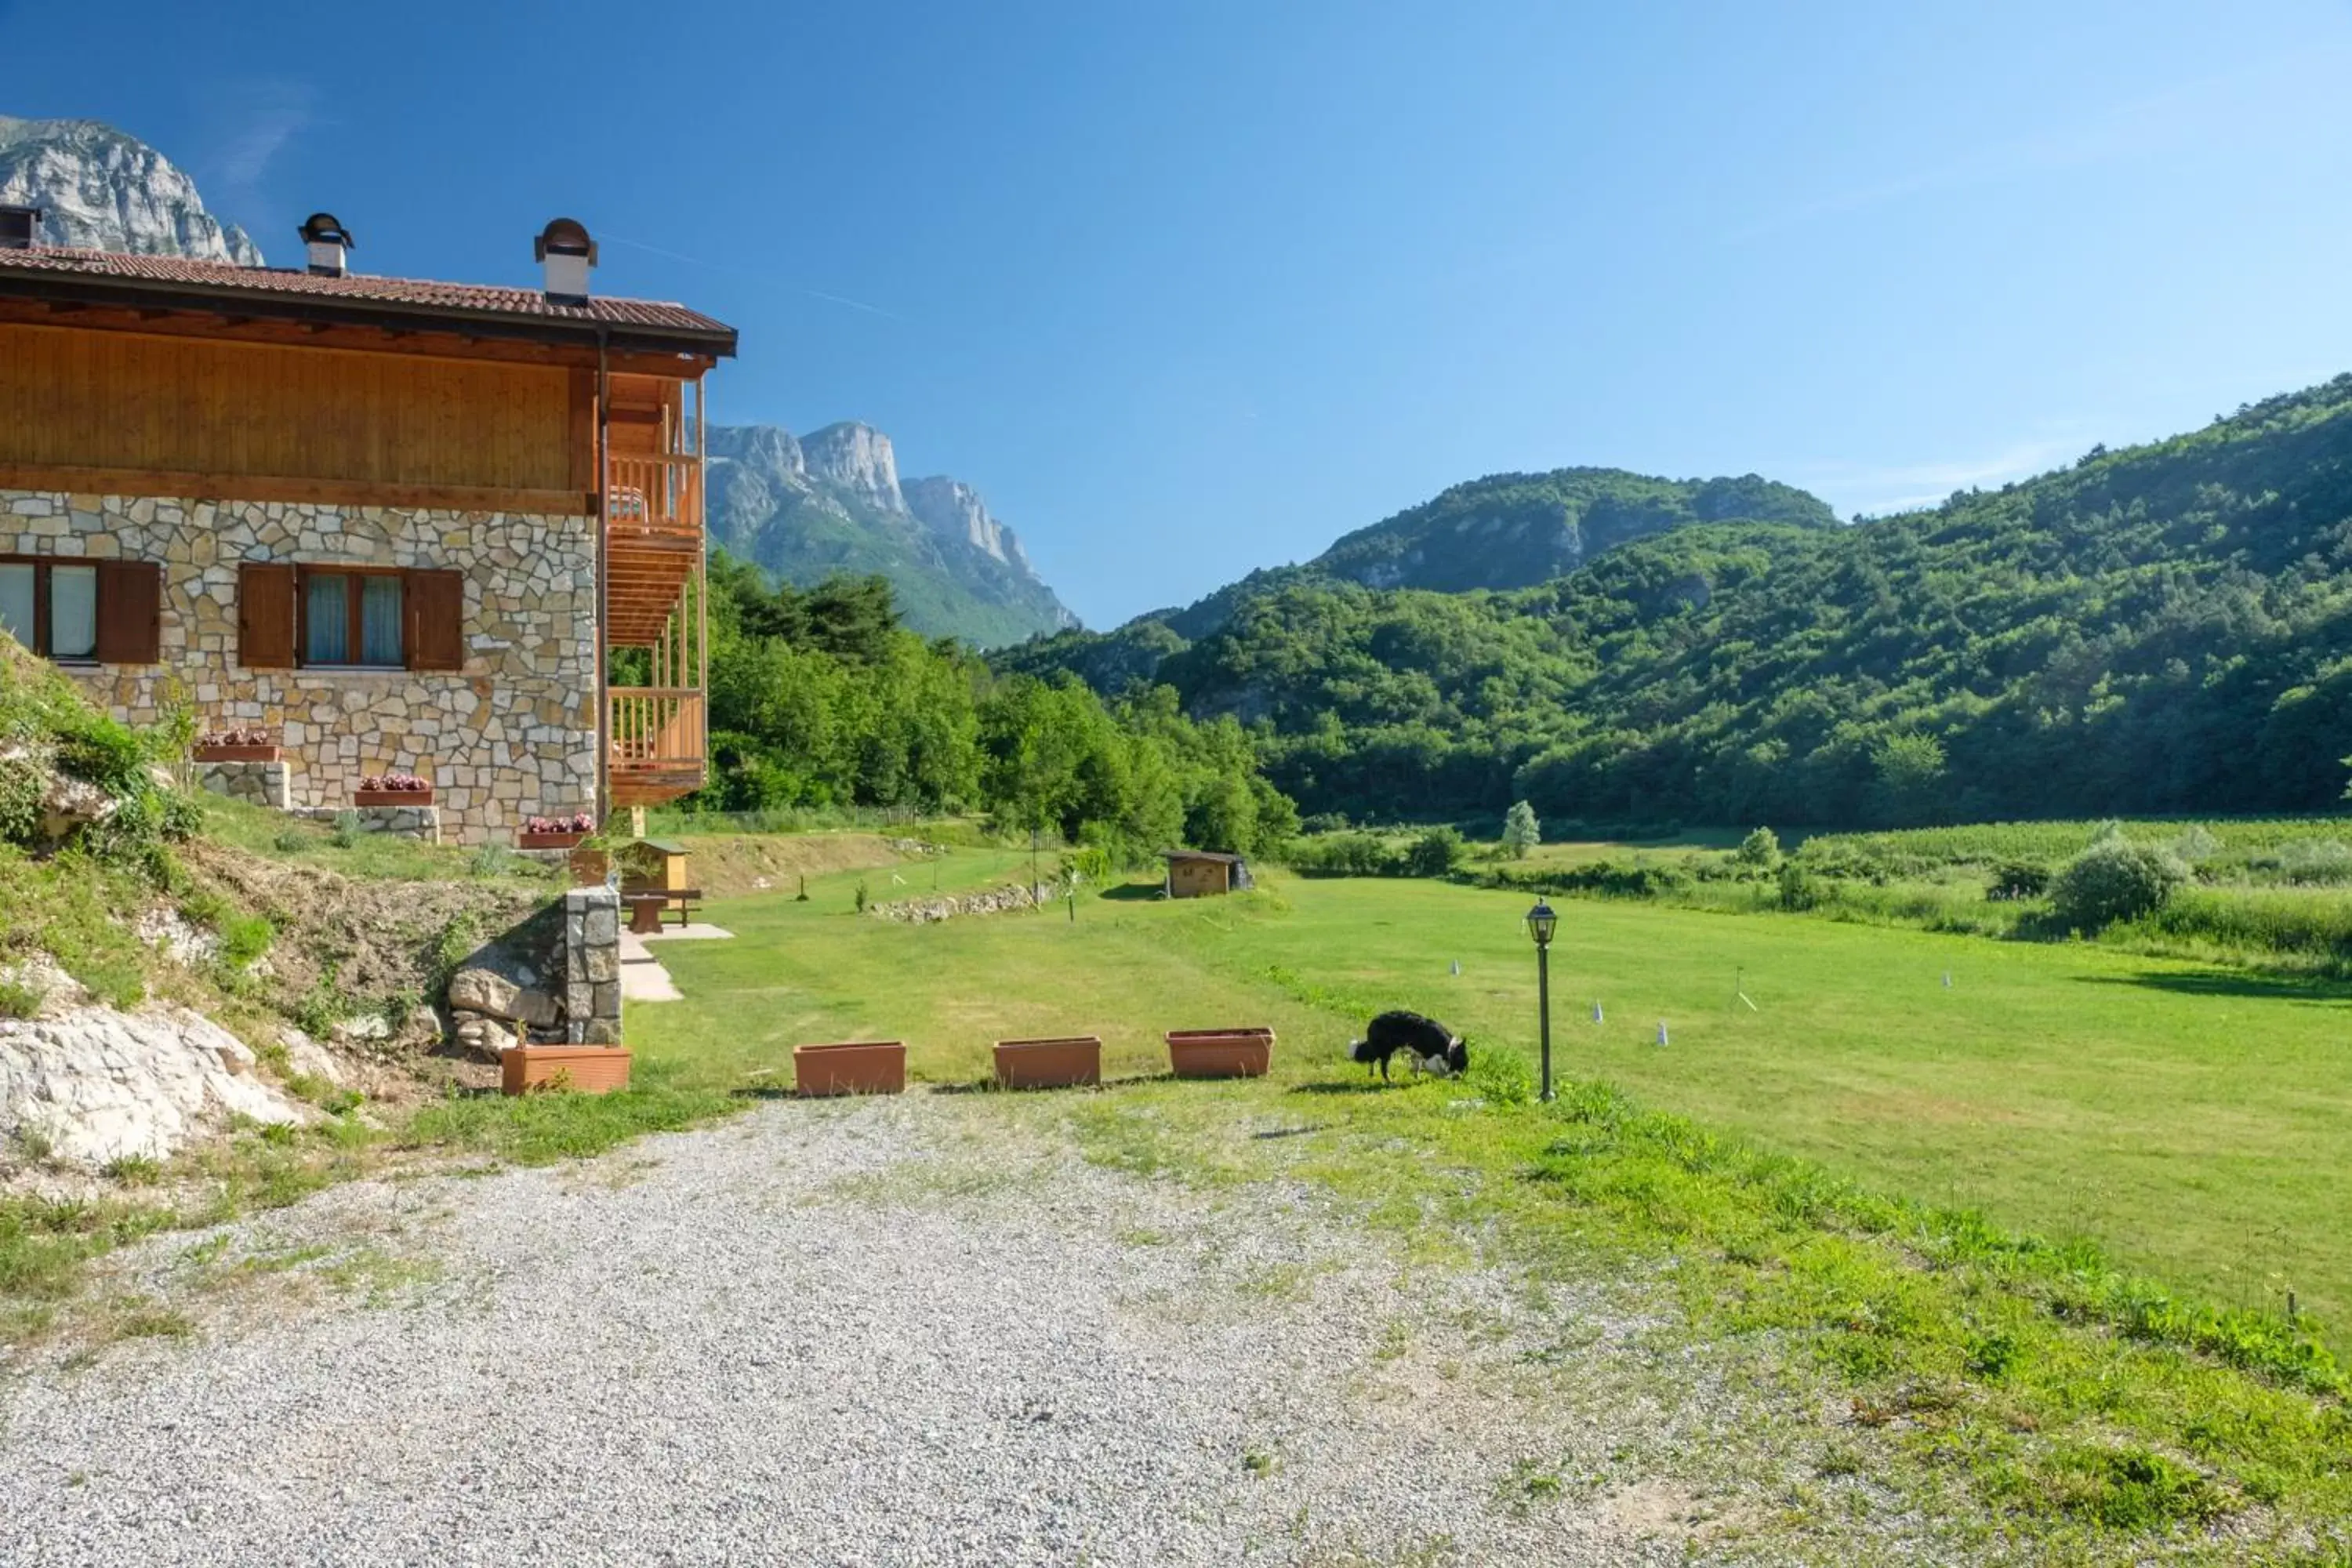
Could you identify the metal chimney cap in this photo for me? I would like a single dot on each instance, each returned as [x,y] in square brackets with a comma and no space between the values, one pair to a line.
[565,236]
[324,228]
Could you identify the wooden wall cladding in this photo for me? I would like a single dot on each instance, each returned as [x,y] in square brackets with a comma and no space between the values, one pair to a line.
[116,400]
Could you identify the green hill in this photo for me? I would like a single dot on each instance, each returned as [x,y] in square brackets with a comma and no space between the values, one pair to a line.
[2161,629]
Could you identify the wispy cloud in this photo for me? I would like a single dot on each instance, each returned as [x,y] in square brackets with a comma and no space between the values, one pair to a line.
[760,275]
[1904,487]
[270,114]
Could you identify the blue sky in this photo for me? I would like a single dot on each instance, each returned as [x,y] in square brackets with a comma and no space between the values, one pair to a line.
[1189,289]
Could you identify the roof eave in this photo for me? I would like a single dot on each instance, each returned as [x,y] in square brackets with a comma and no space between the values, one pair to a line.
[147,293]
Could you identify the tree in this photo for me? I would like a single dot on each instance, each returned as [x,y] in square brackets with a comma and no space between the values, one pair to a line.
[1521,832]
[1433,853]
[1760,850]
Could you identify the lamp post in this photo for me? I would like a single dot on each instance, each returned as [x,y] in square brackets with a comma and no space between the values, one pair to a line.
[1542,923]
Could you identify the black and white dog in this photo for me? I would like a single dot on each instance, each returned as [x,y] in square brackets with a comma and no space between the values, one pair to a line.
[1427,1044]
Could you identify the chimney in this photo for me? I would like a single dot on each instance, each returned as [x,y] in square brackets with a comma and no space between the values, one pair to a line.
[19,227]
[565,249]
[326,240]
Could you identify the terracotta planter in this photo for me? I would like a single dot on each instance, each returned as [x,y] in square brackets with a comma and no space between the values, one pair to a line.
[583,1069]
[1220,1053]
[553,841]
[240,753]
[851,1067]
[1048,1064]
[392,796]
[590,866]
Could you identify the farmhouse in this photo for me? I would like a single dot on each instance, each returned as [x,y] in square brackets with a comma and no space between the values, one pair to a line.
[401,523]
[1205,873]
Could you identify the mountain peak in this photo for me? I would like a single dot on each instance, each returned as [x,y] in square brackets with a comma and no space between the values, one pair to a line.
[832,502]
[855,456]
[104,190]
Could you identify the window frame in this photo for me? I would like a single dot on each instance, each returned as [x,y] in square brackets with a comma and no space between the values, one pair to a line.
[354,599]
[41,615]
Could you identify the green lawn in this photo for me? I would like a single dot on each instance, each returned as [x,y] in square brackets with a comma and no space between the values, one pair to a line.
[2196,1124]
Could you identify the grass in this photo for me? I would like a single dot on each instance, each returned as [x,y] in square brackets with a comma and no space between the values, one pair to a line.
[2064,1123]
[1944,1201]
[275,835]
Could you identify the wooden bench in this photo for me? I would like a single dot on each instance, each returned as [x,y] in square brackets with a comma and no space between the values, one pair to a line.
[646,907]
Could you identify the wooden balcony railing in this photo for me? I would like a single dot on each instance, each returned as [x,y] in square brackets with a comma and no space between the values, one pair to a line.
[658,743]
[654,498]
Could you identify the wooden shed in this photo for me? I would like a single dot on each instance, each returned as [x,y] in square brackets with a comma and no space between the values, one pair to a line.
[653,866]
[1205,873]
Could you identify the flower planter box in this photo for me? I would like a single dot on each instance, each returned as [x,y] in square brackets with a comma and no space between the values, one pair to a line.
[1220,1053]
[583,1069]
[851,1067]
[392,796]
[1048,1064]
[240,753]
[554,841]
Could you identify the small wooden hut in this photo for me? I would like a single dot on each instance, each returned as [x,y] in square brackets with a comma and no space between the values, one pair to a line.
[1205,873]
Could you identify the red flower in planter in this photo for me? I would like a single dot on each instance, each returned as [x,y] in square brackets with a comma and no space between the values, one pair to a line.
[578,822]
[400,784]
[251,735]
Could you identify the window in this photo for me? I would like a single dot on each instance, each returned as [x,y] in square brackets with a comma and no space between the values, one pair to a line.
[293,616]
[353,618]
[82,611]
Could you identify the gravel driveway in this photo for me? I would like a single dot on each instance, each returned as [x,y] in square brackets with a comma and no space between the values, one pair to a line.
[909,1331]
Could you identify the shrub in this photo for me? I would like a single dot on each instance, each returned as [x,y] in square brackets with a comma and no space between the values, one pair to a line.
[2115,879]
[1355,854]
[347,830]
[1521,832]
[1434,853]
[2324,861]
[1797,892]
[2196,843]
[2019,879]
[1761,848]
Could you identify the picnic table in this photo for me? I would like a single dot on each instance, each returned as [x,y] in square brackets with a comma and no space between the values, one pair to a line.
[646,906]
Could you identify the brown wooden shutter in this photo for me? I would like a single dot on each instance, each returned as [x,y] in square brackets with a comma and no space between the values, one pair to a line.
[129,612]
[436,620]
[265,616]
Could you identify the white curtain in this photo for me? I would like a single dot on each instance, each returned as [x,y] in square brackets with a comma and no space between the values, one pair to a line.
[73,611]
[17,600]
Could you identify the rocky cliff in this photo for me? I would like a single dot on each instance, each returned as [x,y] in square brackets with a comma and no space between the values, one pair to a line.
[832,502]
[106,190]
[953,509]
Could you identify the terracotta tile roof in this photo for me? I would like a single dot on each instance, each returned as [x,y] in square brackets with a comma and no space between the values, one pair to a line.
[259,285]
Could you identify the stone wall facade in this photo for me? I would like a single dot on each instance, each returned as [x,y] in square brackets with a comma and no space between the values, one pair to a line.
[511,735]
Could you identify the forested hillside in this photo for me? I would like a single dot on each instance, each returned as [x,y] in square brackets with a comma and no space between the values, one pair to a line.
[821,697]
[2165,628]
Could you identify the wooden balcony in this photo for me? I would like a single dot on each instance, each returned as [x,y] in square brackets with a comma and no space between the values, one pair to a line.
[653,543]
[658,742]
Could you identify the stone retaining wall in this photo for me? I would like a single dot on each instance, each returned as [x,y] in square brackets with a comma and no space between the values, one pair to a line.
[419,822]
[511,735]
[263,783]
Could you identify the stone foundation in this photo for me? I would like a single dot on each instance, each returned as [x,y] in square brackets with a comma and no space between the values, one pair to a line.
[511,735]
[263,783]
[420,822]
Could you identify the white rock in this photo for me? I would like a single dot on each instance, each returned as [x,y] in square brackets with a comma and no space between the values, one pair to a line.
[100,1085]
